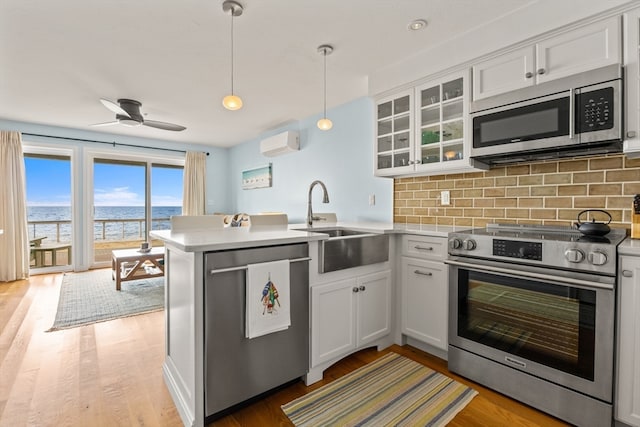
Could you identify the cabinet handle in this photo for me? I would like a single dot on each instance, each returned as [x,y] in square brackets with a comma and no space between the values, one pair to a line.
[355,289]
[627,273]
[362,288]
[541,71]
[423,273]
[424,248]
[417,162]
[529,74]
[411,162]
[631,134]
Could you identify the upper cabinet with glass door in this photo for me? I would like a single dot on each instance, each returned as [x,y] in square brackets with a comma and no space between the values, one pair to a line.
[440,125]
[394,134]
[437,141]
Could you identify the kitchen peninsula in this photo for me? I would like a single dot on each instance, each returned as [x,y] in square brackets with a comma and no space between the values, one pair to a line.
[188,257]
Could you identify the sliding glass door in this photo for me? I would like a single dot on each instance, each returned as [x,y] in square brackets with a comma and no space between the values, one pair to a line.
[130,198]
[49,211]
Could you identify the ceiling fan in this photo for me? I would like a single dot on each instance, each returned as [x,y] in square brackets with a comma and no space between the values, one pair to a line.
[128,114]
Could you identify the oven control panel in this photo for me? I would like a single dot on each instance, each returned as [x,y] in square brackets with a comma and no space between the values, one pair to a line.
[517,249]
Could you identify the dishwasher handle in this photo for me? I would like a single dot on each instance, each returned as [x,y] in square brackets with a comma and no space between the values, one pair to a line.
[244,267]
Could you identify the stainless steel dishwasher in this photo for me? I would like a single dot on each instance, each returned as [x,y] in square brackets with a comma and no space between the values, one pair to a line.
[237,368]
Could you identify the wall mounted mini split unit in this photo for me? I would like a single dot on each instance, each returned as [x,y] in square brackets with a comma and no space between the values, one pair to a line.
[282,143]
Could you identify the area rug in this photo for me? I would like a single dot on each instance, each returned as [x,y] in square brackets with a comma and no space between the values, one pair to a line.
[91,297]
[391,391]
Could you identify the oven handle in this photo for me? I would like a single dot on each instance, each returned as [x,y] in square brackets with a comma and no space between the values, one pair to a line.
[567,280]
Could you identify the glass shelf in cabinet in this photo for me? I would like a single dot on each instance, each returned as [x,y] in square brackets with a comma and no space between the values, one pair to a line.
[430,115]
[453,110]
[384,162]
[401,123]
[401,159]
[385,127]
[430,96]
[452,130]
[385,143]
[430,155]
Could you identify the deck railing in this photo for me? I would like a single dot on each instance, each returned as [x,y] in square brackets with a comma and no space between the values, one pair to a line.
[103,229]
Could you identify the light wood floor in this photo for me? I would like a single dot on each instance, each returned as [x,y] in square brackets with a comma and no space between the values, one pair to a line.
[109,374]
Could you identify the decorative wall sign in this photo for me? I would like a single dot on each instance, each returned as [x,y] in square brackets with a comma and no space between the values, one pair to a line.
[256,178]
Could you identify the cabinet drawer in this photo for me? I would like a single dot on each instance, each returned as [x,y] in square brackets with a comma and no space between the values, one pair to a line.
[424,247]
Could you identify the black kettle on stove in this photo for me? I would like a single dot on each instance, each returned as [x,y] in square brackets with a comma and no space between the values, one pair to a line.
[594,228]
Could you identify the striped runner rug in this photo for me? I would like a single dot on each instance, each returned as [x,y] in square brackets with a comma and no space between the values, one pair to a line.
[390,391]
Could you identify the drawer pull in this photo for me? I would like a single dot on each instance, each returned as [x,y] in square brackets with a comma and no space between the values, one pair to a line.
[423,273]
[627,273]
[362,288]
[355,289]
[423,248]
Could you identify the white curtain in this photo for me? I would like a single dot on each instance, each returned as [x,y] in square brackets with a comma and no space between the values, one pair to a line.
[14,242]
[194,191]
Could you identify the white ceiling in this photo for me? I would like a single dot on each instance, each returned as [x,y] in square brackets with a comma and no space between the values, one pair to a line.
[58,58]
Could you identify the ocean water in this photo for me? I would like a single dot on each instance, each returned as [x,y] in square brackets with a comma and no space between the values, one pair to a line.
[114,229]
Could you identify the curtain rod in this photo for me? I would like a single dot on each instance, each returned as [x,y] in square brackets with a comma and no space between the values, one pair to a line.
[105,142]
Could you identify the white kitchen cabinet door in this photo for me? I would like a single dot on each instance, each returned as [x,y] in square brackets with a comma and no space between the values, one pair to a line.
[374,307]
[425,301]
[627,407]
[394,134]
[333,329]
[582,49]
[504,73]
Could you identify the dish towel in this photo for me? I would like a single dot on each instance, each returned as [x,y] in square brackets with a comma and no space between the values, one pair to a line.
[267,298]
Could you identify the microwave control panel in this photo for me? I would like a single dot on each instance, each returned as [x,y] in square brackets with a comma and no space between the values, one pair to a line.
[595,110]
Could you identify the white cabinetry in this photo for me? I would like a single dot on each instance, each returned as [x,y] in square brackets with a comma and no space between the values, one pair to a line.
[631,37]
[627,405]
[348,314]
[585,48]
[424,289]
[424,130]
[394,130]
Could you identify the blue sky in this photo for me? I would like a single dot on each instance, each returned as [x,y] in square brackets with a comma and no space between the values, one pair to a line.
[49,184]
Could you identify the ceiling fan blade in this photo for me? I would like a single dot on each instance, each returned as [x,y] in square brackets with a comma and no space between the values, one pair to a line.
[163,125]
[105,124]
[114,107]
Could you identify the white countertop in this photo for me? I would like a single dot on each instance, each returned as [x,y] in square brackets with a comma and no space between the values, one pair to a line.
[629,246]
[233,238]
[387,227]
[245,237]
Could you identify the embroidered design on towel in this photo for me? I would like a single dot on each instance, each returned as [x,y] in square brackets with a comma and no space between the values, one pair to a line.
[269,298]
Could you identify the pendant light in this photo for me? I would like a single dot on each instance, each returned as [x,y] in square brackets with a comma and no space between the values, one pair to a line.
[232,102]
[324,123]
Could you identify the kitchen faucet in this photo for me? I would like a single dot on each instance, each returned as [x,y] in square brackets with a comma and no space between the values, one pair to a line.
[325,199]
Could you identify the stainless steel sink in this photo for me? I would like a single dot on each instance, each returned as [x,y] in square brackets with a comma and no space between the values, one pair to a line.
[346,248]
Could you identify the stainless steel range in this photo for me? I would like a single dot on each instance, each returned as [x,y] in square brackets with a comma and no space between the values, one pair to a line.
[532,314]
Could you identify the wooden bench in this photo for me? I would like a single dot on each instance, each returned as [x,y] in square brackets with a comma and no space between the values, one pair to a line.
[39,253]
[131,264]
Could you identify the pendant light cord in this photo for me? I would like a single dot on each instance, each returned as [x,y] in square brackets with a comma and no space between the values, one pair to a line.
[324,54]
[232,15]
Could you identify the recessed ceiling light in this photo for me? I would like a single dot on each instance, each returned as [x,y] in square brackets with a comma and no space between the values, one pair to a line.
[417,24]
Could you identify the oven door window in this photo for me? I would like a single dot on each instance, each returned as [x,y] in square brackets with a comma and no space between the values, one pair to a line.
[550,324]
[541,120]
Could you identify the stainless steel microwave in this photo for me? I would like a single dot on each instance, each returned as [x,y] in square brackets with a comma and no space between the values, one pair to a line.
[573,116]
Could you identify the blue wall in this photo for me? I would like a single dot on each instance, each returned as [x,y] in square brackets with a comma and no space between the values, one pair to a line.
[342,158]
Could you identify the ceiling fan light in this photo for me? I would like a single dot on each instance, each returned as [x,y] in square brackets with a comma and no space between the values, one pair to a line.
[232,102]
[129,122]
[324,124]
